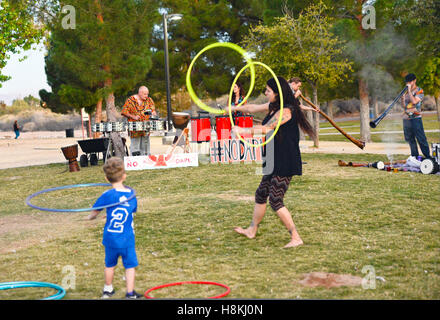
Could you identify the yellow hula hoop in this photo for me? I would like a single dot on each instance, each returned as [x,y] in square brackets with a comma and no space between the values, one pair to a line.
[250,65]
[229,45]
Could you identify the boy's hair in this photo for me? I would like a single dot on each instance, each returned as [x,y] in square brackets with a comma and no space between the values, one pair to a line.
[114,169]
[294,80]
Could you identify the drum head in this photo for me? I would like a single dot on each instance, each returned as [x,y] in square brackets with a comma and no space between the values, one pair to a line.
[428,166]
[380,165]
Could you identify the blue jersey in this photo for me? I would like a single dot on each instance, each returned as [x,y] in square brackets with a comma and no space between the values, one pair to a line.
[118,229]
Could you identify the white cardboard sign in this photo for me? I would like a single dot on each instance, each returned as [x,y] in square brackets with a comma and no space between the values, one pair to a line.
[161,161]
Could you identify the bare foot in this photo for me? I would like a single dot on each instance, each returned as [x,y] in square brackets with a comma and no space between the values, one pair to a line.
[294,243]
[246,232]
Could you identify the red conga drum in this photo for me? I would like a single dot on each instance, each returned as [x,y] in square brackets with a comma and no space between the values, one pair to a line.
[223,127]
[244,121]
[201,128]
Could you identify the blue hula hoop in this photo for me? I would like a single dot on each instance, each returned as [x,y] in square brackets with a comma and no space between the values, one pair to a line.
[28,199]
[29,284]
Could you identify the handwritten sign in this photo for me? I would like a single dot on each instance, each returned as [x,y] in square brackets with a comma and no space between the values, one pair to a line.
[162,161]
[235,150]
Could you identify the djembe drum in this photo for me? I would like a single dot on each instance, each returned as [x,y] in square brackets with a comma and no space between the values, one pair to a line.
[71,153]
[180,120]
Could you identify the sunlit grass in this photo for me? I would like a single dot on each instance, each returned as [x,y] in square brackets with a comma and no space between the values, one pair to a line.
[347,217]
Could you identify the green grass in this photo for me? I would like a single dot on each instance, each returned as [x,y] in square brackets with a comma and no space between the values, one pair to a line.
[348,218]
[430,122]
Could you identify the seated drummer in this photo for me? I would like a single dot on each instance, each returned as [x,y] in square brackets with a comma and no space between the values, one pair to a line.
[139,107]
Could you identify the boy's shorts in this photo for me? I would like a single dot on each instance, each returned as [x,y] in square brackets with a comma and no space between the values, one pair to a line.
[128,255]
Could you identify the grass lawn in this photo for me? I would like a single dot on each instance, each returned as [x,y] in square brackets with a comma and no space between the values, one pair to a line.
[380,133]
[349,218]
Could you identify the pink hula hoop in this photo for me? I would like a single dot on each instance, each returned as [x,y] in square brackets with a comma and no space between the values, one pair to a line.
[228,290]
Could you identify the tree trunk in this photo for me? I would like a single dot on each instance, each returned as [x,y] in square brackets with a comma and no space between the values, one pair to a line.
[309,114]
[316,118]
[376,107]
[364,111]
[330,109]
[98,117]
[118,145]
[437,104]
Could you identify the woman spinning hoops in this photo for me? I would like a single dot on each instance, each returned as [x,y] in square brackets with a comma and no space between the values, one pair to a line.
[283,157]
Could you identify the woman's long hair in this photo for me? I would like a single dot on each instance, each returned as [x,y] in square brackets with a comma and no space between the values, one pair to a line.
[290,101]
[241,92]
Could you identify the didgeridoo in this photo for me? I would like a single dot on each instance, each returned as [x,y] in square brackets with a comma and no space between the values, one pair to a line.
[360,144]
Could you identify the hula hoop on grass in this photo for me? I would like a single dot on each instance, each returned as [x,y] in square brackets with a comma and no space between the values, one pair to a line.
[33,284]
[28,199]
[228,290]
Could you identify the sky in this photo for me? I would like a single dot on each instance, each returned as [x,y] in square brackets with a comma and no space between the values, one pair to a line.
[28,76]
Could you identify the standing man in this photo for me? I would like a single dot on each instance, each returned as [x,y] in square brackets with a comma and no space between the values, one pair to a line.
[412,119]
[139,107]
[295,84]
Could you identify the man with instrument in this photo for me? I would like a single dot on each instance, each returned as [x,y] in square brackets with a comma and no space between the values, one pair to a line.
[412,119]
[295,84]
[139,107]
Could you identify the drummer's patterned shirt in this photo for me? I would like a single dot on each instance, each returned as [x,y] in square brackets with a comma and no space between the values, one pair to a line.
[132,107]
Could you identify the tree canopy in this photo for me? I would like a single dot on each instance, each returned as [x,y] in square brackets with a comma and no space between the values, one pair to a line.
[18,31]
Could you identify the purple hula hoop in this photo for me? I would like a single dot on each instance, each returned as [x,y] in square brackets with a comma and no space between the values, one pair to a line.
[28,199]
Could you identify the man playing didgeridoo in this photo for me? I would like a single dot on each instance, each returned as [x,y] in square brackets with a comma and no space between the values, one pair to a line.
[283,157]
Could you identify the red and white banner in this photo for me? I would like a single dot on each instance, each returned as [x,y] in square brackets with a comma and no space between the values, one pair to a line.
[161,161]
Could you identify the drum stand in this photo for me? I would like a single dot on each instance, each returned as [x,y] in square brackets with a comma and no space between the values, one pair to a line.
[187,148]
[110,149]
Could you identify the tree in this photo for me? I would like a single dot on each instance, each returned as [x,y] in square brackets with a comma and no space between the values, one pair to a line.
[420,21]
[430,81]
[275,8]
[32,101]
[302,46]
[18,31]
[204,22]
[106,53]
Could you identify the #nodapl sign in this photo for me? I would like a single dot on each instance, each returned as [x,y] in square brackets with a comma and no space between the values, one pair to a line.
[235,150]
[162,161]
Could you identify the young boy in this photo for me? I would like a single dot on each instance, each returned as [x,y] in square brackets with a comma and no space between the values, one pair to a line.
[118,237]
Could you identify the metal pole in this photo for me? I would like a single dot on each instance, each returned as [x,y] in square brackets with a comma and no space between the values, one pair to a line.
[167,70]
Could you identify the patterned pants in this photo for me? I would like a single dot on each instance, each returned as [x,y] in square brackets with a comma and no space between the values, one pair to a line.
[274,188]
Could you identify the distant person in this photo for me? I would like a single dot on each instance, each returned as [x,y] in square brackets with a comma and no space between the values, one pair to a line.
[412,118]
[118,238]
[295,84]
[16,129]
[238,95]
[139,107]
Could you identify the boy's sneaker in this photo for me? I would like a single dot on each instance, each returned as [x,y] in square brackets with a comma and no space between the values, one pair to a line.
[107,294]
[133,295]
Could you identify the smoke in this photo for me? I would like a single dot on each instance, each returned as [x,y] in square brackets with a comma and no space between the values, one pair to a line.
[380,59]
[380,83]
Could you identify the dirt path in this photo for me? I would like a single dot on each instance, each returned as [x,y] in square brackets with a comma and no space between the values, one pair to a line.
[39,148]
[44,147]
